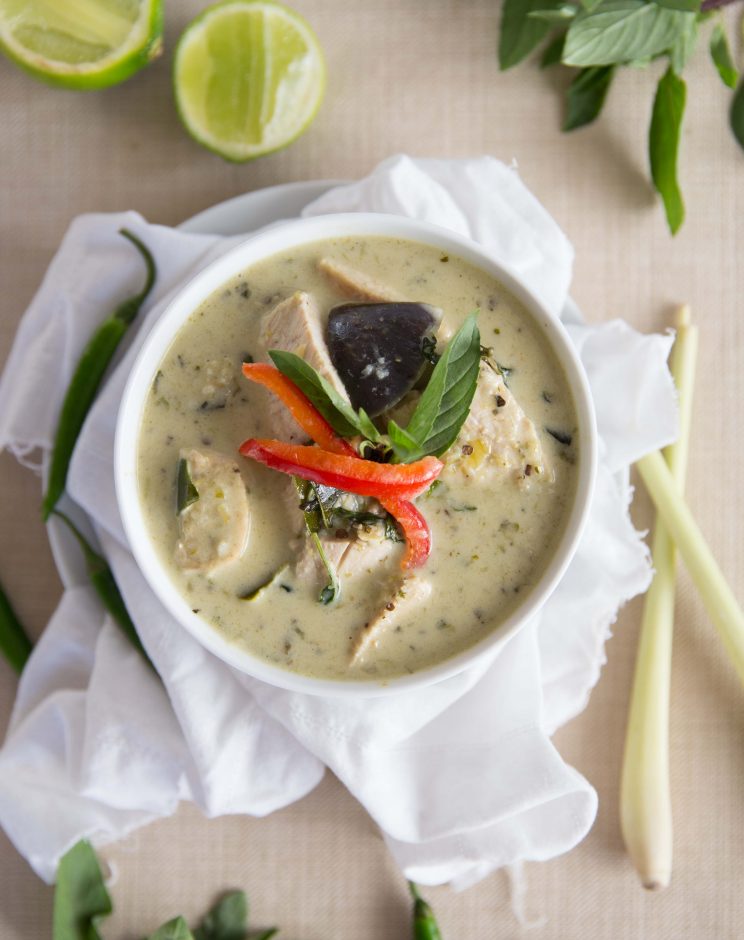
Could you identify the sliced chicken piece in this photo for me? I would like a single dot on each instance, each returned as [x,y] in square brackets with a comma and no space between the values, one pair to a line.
[213,529]
[309,567]
[368,553]
[497,438]
[356,284]
[294,326]
[411,591]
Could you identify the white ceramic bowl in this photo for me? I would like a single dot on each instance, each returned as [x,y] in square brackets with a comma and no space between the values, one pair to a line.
[263,245]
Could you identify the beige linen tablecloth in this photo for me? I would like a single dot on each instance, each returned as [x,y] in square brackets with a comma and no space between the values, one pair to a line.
[421,77]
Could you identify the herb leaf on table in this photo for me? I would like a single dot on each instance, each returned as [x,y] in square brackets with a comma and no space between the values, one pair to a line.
[663,145]
[80,897]
[684,45]
[586,95]
[598,36]
[226,920]
[736,116]
[176,929]
[521,33]
[721,55]
[622,31]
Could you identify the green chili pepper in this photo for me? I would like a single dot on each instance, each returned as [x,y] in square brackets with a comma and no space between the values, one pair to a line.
[105,586]
[14,643]
[87,377]
[425,926]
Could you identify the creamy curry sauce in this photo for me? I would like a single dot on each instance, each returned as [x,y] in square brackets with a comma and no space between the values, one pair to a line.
[494,530]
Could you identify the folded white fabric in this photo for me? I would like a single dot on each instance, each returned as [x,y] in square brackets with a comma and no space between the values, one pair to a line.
[461,777]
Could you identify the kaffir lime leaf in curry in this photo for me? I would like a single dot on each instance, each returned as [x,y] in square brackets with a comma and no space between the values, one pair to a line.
[249,77]
[377,349]
[82,44]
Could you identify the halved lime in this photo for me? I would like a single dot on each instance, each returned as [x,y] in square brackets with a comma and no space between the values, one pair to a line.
[249,77]
[83,44]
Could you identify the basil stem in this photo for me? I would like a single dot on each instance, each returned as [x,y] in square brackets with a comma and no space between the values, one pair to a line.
[87,378]
[332,591]
[521,33]
[14,642]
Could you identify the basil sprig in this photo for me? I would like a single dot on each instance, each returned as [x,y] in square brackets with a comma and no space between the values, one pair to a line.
[440,412]
[344,419]
[445,402]
[597,36]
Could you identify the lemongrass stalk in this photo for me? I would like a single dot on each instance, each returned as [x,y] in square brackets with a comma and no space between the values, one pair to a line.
[719,599]
[645,802]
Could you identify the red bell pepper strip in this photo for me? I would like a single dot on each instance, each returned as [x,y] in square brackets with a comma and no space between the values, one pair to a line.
[312,422]
[363,477]
[415,529]
[299,405]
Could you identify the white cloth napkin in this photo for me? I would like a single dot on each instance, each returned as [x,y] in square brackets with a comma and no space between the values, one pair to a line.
[461,777]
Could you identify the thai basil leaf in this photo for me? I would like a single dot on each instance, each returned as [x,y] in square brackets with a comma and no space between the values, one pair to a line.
[687,6]
[586,95]
[721,55]
[663,144]
[227,920]
[176,929]
[621,30]
[553,52]
[186,492]
[445,402]
[684,46]
[736,115]
[80,897]
[520,34]
[405,447]
[338,413]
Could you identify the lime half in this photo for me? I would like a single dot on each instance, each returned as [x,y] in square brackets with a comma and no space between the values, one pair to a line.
[83,44]
[249,77]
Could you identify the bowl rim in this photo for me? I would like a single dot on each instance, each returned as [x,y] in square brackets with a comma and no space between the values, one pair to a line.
[262,245]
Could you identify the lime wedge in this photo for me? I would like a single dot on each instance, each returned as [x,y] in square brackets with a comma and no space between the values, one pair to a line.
[83,44]
[249,77]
